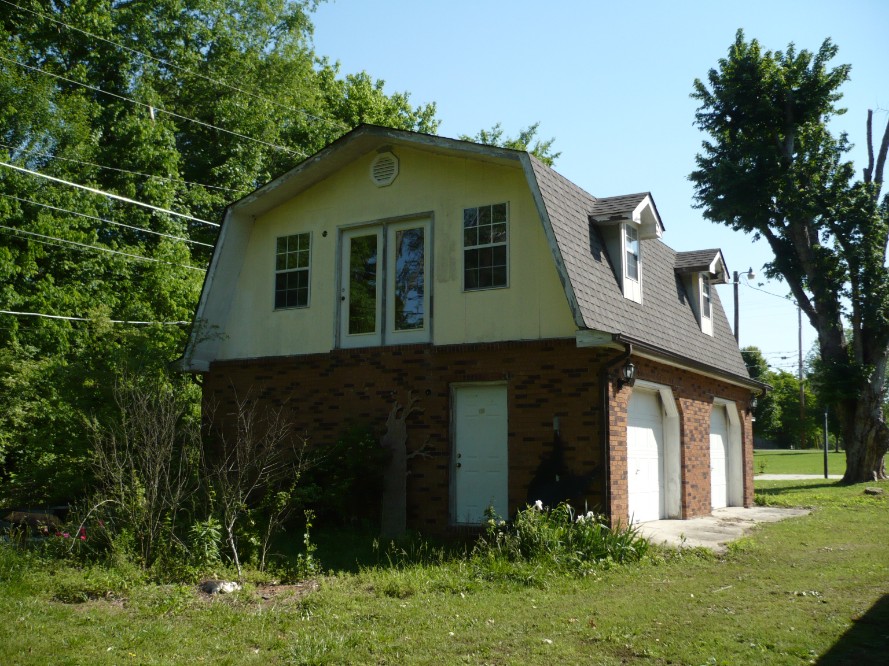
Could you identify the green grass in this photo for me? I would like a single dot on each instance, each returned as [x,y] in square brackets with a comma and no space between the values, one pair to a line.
[797,462]
[806,590]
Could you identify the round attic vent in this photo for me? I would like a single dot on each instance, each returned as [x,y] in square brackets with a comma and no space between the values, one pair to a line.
[384,169]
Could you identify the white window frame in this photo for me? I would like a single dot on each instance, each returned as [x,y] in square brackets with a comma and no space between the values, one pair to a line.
[632,286]
[307,269]
[385,332]
[706,303]
[485,245]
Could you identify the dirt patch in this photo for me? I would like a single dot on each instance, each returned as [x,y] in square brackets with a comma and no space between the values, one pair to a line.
[278,594]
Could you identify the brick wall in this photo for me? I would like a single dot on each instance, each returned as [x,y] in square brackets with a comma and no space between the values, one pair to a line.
[694,394]
[324,394]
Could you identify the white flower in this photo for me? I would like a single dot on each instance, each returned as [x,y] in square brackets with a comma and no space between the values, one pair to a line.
[538,505]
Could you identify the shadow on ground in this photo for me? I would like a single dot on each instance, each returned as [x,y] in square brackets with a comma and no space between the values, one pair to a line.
[867,642]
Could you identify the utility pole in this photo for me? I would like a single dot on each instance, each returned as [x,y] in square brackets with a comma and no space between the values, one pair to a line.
[735,282]
[737,318]
[825,442]
[802,389]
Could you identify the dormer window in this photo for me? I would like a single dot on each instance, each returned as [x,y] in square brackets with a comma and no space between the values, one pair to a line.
[699,271]
[624,222]
[632,252]
[705,297]
[706,305]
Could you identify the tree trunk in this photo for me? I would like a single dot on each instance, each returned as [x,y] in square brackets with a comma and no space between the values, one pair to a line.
[394,501]
[866,437]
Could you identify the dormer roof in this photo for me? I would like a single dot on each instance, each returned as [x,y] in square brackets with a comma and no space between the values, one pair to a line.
[636,208]
[710,262]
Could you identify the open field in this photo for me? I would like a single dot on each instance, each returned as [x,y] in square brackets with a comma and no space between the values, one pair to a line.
[807,590]
[809,461]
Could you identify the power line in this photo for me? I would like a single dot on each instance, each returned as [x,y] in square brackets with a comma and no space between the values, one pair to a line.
[118,169]
[770,293]
[102,219]
[108,194]
[154,109]
[96,247]
[167,63]
[112,321]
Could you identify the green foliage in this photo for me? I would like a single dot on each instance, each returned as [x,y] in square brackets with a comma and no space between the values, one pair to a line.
[558,539]
[526,140]
[252,73]
[344,476]
[204,539]
[771,167]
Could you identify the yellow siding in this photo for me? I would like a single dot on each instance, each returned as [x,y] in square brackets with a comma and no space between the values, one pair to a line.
[533,306]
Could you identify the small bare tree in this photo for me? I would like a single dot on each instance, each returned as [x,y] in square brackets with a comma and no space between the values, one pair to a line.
[253,462]
[145,463]
[393,522]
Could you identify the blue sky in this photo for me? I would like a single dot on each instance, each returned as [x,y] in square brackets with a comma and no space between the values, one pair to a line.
[611,82]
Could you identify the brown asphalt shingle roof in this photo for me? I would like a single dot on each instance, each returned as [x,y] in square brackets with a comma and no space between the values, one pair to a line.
[665,318]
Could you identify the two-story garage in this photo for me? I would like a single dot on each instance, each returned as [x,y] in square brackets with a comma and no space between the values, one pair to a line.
[554,345]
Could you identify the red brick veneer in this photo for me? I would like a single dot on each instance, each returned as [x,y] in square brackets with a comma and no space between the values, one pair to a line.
[324,394]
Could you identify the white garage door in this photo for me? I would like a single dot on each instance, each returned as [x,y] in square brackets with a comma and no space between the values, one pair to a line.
[481,446]
[645,456]
[719,457]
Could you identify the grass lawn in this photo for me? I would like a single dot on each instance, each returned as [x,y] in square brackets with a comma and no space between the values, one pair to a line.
[806,590]
[797,462]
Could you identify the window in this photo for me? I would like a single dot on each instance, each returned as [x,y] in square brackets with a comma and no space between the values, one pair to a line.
[705,297]
[485,247]
[384,295]
[632,249]
[292,257]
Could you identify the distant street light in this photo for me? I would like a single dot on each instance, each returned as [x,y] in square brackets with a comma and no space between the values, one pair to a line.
[737,280]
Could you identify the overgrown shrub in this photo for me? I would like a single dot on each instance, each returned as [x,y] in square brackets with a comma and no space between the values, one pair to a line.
[344,477]
[558,538]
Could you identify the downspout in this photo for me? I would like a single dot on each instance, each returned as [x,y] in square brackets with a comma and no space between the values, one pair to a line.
[606,421]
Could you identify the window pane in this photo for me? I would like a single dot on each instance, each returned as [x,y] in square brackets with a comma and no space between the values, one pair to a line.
[470,277]
[485,278]
[632,266]
[282,245]
[470,259]
[280,262]
[498,278]
[484,215]
[302,258]
[363,284]
[484,235]
[499,213]
[470,237]
[470,217]
[485,257]
[498,233]
[498,254]
[409,279]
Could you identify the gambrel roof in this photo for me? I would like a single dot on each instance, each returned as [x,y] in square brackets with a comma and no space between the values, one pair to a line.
[665,319]
[663,325]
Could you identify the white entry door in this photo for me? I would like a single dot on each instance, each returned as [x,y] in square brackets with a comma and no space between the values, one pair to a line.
[645,457]
[480,452]
[719,458]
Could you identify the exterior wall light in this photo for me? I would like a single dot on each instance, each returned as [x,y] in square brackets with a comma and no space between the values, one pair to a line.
[627,375]
[751,407]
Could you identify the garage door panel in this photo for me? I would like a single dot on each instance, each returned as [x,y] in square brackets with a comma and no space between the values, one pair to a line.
[719,457]
[645,456]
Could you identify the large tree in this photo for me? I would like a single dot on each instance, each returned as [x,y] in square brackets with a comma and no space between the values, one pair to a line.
[182,104]
[772,168]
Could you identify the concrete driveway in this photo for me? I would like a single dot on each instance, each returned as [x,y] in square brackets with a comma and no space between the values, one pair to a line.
[717,530]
